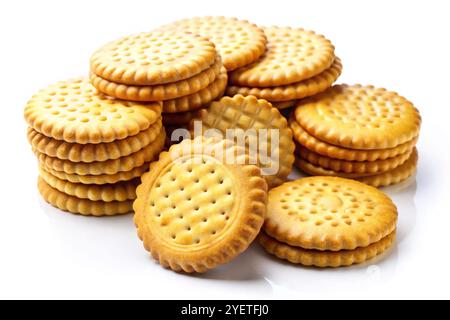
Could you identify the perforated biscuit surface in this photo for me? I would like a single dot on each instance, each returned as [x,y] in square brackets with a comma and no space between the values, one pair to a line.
[153,58]
[238,42]
[329,213]
[360,117]
[74,111]
[195,211]
[193,200]
[249,113]
[292,55]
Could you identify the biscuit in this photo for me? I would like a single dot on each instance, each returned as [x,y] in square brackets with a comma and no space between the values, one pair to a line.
[76,152]
[120,191]
[75,112]
[324,259]
[359,117]
[336,152]
[239,42]
[292,55]
[394,176]
[246,113]
[112,166]
[158,92]
[329,213]
[99,179]
[297,90]
[372,167]
[84,207]
[199,99]
[383,179]
[195,211]
[153,58]
[281,105]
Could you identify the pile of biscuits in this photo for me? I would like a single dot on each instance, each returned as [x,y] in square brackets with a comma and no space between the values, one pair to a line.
[358,132]
[203,201]
[91,149]
[182,70]
[297,64]
[328,222]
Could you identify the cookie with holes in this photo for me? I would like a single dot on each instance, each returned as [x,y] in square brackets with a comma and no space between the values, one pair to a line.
[292,55]
[239,42]
[260,126]
[329,214]
[153,58]
[293,91]
[74,111]
[359,117]
[167,91]
[200,205]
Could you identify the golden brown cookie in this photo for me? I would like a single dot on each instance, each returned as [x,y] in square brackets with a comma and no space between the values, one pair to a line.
[89,152]
[359,167]
[336,152]
[292,55]
[198,207]
[153,58]
[239,42]
[75,112]
[324,259]
[120,191]
[113,166]
[394,176]
[249,113]
[199,99]
[329,213]
[158,92]
[82,206]
[101,178]
[297,90]
[359,117]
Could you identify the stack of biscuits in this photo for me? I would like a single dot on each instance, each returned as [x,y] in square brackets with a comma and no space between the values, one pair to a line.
[238,42]
[328,222]
[180,69]
[92,149]
[296,65]
[358,132]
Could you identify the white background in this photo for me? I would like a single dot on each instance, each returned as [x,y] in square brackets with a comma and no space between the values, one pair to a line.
[45,253]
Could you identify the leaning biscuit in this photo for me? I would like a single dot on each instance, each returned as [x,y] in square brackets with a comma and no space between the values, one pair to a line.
[153,58]
[359,117]
[336,152]
[298,90]
[113,166]
[120,191]
[158,92]
[76,152]
[239,42]
[249,113]
[329,213]
[82,206]
[75,112]
[325,259]
[200,205]
[292,55]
